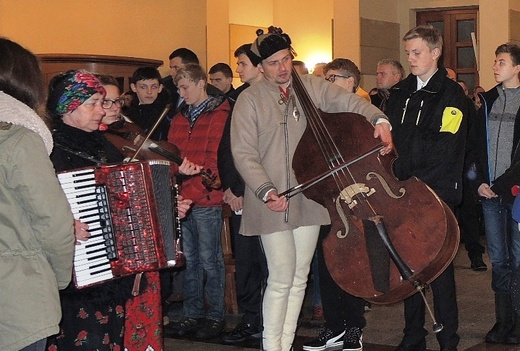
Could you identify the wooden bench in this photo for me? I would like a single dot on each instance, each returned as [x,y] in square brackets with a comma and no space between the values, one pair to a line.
[229,262]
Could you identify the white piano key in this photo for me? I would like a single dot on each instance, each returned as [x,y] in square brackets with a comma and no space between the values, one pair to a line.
[69,177]
[78,184]
[86,219]
[88,197]
[82,208]
[80,193]
[88,279]
[86,264]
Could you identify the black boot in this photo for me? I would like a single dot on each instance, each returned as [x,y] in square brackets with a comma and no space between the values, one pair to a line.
[514,334]
[504,316]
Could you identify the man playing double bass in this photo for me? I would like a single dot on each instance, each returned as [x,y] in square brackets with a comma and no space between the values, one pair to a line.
[267,125]
[427,111]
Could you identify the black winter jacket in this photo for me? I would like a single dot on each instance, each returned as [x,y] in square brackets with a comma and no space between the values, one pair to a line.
[426,147]
[146,115]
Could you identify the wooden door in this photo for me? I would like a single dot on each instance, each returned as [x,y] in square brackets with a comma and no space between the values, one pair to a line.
[457,27]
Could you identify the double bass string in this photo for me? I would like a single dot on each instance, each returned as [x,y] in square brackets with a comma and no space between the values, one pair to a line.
[328,147]
[334,159]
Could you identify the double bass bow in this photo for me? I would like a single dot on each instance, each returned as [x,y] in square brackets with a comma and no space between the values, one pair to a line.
[389,238]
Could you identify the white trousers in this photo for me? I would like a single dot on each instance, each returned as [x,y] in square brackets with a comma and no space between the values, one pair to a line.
[289,255]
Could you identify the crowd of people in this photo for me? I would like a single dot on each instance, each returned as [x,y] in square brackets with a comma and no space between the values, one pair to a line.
[237,146]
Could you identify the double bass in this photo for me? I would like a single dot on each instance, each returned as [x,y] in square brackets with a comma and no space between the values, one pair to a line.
[388,238]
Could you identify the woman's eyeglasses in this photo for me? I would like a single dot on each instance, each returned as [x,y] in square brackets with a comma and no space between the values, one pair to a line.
[107,103]
[333,77]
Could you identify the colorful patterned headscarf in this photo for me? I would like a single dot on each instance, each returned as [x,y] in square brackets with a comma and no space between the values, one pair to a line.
[69,90]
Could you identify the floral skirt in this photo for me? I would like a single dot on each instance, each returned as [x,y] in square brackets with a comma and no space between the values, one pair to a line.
[103,325]
[87,326]
[143,321]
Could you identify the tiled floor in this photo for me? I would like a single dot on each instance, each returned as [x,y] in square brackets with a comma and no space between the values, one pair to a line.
[385,323]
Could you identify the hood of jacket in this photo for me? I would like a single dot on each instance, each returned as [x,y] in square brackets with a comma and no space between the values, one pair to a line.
[15,112]
[213,103]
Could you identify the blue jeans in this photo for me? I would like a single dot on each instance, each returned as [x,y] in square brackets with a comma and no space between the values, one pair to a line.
[503,242]
[204,263]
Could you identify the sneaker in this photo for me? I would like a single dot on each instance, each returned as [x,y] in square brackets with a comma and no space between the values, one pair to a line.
[186,326]
[477,264]
[317,314]
[241,333]
[352,341]
[326,340]
[210,329]
[421,346]
[368,306]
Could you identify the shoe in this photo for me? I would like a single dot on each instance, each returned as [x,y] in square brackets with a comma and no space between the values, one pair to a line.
[477,264]
[326,340]
[412,347]
[241,333]
[368,306]
[179,297]
[186,326]
[352,341]
[210,329]
[317,314]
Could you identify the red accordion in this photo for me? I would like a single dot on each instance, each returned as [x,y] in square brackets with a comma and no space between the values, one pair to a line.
[131,212]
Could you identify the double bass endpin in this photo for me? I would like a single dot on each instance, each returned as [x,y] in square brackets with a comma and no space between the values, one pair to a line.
[437,327]
[404,270]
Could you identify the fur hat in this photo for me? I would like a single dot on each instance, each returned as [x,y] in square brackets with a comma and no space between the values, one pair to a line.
[255,60]
[268,44]
[68,90]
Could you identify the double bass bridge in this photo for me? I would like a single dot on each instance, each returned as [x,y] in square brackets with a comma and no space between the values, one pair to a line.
[349,193]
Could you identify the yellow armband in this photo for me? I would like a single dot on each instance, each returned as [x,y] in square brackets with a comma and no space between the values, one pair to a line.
[451,120]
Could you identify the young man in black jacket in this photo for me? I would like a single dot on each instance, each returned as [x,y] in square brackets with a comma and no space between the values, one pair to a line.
[427,111]
[251,268]
[149,103]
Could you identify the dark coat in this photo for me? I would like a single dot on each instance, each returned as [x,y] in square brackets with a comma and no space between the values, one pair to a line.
[425,149]
[75,148]
[229,175]
[146,115]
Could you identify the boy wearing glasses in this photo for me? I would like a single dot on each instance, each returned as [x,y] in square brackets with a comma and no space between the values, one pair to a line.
[340,308]
[150,103]
[346,74]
